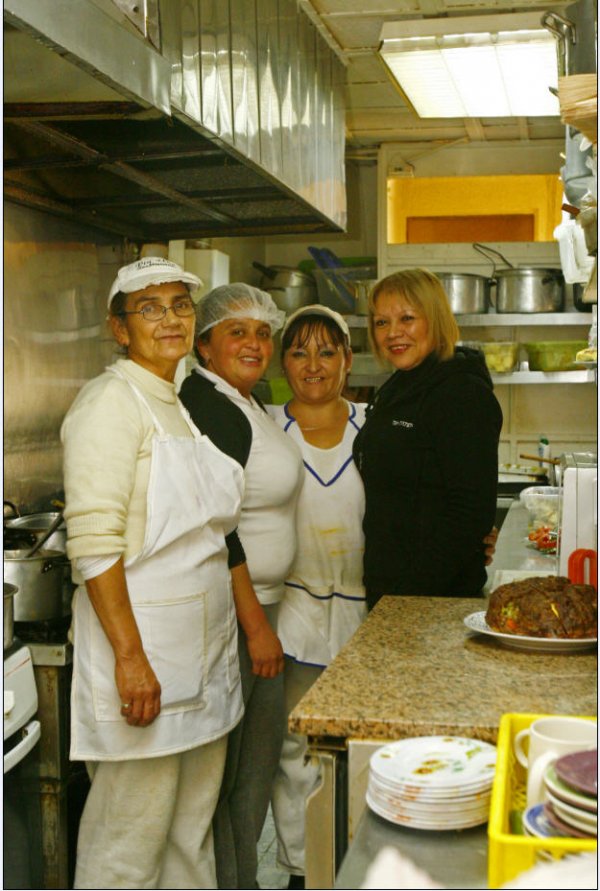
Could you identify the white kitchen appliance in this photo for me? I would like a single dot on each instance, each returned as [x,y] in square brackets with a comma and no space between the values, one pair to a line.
[210,265]
[22,829]
[578,505]
[20,704]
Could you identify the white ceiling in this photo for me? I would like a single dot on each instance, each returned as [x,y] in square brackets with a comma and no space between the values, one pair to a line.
[376,111]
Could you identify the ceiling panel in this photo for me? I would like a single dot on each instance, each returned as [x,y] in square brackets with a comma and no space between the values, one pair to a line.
[372,95]
[366,68]
[375,7]
[353,32]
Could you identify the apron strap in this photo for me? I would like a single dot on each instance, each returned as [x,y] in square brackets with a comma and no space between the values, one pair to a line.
[159,428]
[187,417]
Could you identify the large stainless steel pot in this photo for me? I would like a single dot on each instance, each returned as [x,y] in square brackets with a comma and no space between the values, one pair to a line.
[290,288]
[40,583]
[283,277]
[526,288]
[467,293]
[8,614]
[38,524]
[529,290]
[292,298]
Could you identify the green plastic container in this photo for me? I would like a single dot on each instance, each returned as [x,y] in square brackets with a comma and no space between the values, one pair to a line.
[280,391]
[557,355]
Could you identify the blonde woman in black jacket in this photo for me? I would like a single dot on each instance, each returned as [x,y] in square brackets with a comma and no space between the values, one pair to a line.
[428,451]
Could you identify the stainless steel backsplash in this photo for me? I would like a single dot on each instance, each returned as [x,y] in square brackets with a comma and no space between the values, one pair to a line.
[56,278]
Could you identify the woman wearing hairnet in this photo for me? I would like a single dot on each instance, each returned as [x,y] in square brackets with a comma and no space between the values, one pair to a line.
[234,343]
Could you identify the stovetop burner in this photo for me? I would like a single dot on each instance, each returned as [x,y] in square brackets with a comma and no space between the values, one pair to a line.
[43,631]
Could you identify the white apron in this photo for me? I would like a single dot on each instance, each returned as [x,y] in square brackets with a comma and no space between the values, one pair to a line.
[180,590]
[324,601]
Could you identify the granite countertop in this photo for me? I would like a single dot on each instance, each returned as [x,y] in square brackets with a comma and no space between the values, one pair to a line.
[414,669]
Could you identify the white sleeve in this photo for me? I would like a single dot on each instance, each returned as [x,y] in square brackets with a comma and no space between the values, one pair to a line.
[90,567]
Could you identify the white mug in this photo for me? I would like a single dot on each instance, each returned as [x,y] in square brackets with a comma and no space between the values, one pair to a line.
[549,738]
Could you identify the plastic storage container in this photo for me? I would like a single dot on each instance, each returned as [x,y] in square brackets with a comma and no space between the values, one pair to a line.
[542,502]
[509,851]
[501,357]
[554,355]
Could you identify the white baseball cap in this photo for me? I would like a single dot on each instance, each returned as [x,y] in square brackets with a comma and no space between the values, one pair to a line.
[318,309]
[151,271]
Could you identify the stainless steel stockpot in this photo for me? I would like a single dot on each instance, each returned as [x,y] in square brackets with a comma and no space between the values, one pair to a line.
[38,524]
[529,289]
[467,293]
[8,614]
[292,298]
[39,580]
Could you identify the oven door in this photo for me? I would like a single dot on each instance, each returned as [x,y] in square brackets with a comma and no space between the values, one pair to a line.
[18,746]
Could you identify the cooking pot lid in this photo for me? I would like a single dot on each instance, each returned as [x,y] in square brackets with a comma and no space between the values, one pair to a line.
[21,554]
[461,275]
[10,590]
[34,522]
[524,271]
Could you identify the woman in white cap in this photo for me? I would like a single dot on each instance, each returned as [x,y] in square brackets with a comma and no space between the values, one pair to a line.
[234,345]
[156,685]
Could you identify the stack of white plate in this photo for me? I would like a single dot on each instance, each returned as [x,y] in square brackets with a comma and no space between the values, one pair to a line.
[432,782]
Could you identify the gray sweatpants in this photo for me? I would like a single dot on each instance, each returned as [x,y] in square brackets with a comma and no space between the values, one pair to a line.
[253,750]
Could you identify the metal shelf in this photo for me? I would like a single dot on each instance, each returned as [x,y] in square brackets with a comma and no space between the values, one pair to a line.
[545,377]
[510,319]
[493,319]
[516,377]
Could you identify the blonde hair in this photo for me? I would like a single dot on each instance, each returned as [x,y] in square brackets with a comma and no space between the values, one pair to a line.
[423,291]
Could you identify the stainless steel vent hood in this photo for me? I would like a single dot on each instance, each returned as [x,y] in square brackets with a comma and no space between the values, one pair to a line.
[235,127]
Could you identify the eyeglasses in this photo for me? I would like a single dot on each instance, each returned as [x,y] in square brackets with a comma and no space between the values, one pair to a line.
[154,312]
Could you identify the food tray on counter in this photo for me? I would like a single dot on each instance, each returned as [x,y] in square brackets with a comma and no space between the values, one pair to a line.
[510,852]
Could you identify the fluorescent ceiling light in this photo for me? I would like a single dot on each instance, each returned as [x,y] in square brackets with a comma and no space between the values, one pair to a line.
[492,66]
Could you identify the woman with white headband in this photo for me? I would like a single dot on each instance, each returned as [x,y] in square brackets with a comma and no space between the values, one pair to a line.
[325,598]
[234,344]
[156,685]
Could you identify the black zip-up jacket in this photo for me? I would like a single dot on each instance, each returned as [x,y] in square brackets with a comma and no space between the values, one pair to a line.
[428,457]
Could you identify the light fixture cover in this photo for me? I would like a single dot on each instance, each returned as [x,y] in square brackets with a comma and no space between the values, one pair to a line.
[488,70]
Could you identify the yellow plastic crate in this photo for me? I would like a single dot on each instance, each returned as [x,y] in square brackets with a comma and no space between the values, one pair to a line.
[509,852]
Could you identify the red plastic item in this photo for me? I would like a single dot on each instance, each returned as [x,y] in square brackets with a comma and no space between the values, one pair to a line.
[577,564]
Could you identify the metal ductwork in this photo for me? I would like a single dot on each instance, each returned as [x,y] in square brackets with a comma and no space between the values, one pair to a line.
[173,119]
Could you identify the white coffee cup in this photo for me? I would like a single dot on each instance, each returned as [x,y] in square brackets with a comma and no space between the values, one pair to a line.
[549,738]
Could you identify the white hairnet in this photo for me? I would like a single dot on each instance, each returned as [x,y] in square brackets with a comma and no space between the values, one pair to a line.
[237,301]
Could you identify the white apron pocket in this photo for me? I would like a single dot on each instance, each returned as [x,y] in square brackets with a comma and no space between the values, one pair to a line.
[174,638]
